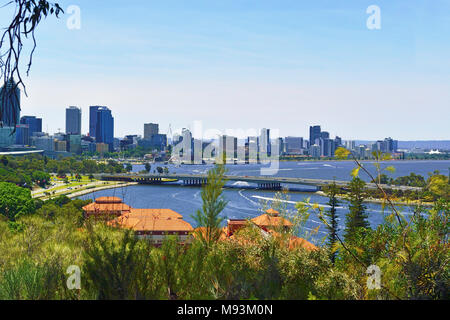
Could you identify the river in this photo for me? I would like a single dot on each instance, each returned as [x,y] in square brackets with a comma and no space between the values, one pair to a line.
[245,202]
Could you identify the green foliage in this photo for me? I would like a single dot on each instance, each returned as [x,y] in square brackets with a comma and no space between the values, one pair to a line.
[341,153]
[24,171]
[213,204]
[332,223]
[15,201]
[356,218]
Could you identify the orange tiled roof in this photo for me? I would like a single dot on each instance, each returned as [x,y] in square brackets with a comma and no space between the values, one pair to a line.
[150,222]
[266,220]
[202,230]
[294,242]
[102,207]
[272,212]
[105,204]
[108,200]
[157,213]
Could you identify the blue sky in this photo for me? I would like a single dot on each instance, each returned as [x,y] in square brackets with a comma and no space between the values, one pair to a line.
[249,64]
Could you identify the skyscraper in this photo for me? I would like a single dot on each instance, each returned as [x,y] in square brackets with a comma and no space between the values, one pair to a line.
[150,129]
[264,142]
[27,127]
[10,104]
[314,134]
[93,120]
[104,130]
[73,120]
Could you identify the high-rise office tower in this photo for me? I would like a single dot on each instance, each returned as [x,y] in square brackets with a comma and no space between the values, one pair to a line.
[325,135]
[264,142]
[93,120]
[27,127]
[73,120]
[150,129]
[228,146]
[104,129]
[10,104]
[314,134]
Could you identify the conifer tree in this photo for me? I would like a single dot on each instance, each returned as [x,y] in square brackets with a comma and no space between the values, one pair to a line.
[213,204]
[331,214]
[357,217]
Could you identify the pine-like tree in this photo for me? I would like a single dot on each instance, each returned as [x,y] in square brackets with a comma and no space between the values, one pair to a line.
[331,214]
[357,217]
[208,219]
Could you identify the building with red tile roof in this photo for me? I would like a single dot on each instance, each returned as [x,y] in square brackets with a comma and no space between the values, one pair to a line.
[272,220]
[152,224]
[106,208]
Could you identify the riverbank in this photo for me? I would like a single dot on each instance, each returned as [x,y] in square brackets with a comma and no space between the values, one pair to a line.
[382,201]
[73,193]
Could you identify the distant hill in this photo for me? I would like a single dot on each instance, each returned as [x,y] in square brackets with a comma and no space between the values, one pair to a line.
[421,144]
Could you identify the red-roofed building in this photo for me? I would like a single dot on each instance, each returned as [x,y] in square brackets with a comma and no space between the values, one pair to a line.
[152,224]
[106,208]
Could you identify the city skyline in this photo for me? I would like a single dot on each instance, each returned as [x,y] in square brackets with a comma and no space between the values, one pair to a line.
[251,66]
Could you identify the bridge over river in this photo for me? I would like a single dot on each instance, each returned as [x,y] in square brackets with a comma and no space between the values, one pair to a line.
[263,182]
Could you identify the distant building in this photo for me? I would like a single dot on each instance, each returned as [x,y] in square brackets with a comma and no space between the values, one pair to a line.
[293,145]
[102,148]
[264,142]
[43,142]
[150,129]
[327,147]
[74,143]
[156,141]
[228,146]
[7,137]
[152,138]
[325,135]
[73,120]
[314,151]
[350,144]
[391,145]
[23,135]
[28,126]
[93,120]
[314,134]
[129,142]
[104,131]
[60,145]
[10,104]
[252,150]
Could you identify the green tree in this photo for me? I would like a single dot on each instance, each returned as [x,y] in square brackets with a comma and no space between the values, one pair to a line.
[332,226]
[213,204]
[15,201]
[148,167]
[357,217]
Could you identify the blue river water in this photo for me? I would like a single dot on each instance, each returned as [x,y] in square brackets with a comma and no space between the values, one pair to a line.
[245,202]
